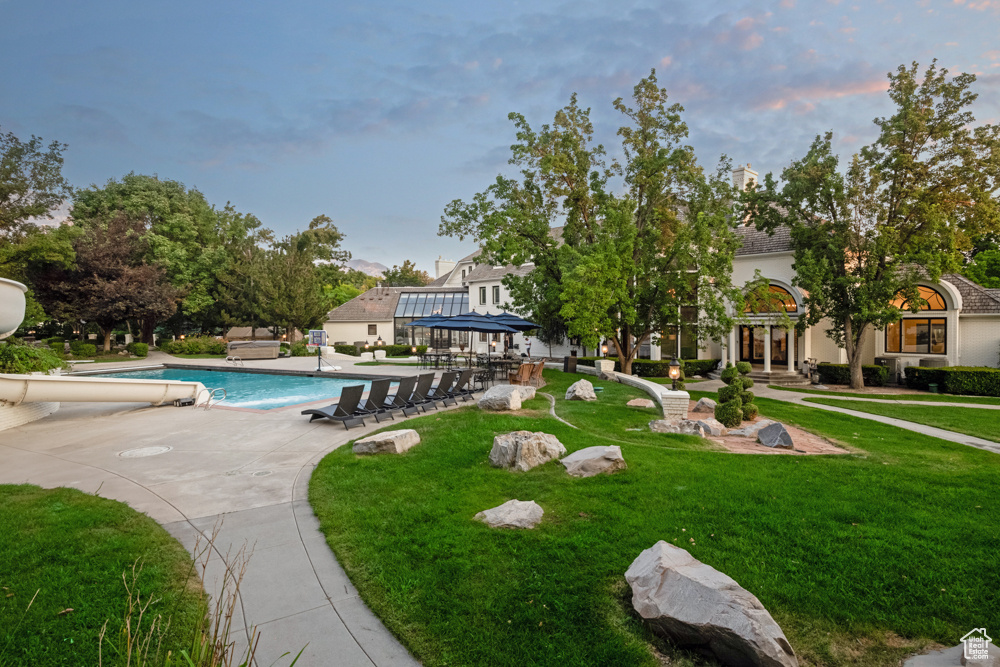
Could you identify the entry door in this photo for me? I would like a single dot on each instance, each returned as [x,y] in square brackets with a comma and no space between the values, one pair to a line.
[751,346]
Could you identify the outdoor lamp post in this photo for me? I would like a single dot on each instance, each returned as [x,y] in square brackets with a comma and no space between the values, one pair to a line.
[674,372]
[604,351]
[379,342]
[413,349]
[494,344]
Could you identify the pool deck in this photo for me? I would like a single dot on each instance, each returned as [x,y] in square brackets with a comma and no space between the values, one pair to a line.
[244,471]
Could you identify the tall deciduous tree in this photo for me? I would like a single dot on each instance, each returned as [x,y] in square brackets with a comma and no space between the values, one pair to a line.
[622,267]
[407,275]
[901,211]
[31,182]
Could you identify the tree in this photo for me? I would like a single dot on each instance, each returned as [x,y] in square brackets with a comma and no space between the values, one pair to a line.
[241,269]
[985,268]
[292,292]
[31,182]
[406,275]
[903,209]
[110,280]
[622,267]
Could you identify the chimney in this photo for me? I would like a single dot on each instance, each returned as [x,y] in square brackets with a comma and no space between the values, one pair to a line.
[442,266]
[743,177]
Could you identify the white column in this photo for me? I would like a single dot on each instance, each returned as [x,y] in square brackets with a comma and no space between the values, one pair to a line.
[725,352]
[807,350]
[790,344]
[654,350]
[733,354]
[767,348]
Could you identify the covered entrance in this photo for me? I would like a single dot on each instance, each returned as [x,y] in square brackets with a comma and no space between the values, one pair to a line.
[753,345]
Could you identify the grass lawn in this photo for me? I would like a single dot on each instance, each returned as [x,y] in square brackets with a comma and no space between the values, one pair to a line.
[983,423]
[861,558]
[931,398]
[72,548]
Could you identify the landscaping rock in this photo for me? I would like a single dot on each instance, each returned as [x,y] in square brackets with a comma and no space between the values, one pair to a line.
[581,390]
[775,435]
[608,377]
[527,392]
[704,405]
[501,397]
[681,426]
[641,403]
[392,442]
[592,461]
[751,430]
[523,450]
[694,605]
[713,426]
[513,514]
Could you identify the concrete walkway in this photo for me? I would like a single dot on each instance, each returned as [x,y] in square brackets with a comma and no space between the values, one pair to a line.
[799,398]
[247,472]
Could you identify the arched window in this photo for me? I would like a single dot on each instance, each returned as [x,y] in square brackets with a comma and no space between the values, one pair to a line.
[778,298]
[932,300]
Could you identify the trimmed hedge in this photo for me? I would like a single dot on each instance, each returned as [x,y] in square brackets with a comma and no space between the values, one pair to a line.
[390,350]
[648,368]
[57,346]
[138,349]
[299,349]
[346,349]
[874,376]
[81,349]
[195,345]
[964,380]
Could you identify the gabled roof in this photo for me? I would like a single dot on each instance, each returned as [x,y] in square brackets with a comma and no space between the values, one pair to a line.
[378,304]
[756,242]
[975,298]
[483,272]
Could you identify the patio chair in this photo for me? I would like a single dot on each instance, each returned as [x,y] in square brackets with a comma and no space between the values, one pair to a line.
[419,399]
[345,411]
[442,392]
[463,388]
[375,405]
[536,374]
[404,391]
[522,376]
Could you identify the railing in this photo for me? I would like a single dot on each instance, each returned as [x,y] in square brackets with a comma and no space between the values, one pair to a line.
[234,360]
[212,393]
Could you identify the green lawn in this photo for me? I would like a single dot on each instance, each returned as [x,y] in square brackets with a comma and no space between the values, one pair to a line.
[983,423]
[933,398]
[68,550]
[862,558]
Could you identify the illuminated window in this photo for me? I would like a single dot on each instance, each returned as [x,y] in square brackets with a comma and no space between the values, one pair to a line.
[931,300]
[777,298]
[917,335]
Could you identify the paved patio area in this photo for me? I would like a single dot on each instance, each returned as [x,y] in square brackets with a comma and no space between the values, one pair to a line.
[248,471]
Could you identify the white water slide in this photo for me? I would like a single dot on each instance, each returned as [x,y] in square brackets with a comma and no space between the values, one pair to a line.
[16,389]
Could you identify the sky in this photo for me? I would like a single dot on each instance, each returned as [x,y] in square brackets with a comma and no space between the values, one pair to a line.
[380,113]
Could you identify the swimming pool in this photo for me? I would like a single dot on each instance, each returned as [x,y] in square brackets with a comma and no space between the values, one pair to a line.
[259,391]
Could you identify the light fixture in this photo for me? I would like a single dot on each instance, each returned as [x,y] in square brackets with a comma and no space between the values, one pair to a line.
[413,349]
[380,342]
[674,372]
[604,350]
[366,345]
[182,336]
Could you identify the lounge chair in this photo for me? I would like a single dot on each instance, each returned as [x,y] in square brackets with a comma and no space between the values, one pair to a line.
[522,376]
[462,388]
[345,411]
[419,397]
[442,392]
[404,391]
[536,374]
[375,405]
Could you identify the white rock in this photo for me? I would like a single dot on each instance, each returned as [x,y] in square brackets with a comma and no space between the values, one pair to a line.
[367,356]
[390,442]
[751,430]
[513,514]
[641,403]
[592,461]
[704,405]
[527,392]
[696,606]
[713,426]
[500,398]
[523,450]
[679,426]
[581,390]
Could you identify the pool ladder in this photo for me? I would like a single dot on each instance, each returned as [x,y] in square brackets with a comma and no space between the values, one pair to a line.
[234,360]
[212,393]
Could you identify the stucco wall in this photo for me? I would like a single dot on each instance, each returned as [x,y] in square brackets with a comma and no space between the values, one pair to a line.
[980,341]
[351,332]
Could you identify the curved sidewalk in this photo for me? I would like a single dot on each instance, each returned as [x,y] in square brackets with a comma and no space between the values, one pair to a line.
[247,472]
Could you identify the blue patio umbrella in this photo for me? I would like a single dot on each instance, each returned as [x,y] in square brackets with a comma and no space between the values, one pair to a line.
[513,321]
[472,322]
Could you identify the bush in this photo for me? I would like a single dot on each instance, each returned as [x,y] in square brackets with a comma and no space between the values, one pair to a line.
[747,382]
[744,367]
[873,376]
[746,397]
[729,374]
[346,349]
[646,368]
[57,346]
[963,380]
[81,349]
[730,413]
[195,345]
[300,349]
[16,357]
[138,349]
[749,412]
[699,366]
[735,403]
[54,339]
[728,393]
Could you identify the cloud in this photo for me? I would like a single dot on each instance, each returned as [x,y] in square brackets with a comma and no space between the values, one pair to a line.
[809,93]
[979,5]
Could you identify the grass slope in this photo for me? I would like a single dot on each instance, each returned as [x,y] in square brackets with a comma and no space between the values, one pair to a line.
[971,421]
[72,548]
[861,558]
[930,398]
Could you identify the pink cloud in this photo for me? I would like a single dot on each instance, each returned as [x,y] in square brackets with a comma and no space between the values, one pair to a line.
[805,96]
[787,4]
[979,5]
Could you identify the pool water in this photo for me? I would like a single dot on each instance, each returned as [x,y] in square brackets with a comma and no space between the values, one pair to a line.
[260,391]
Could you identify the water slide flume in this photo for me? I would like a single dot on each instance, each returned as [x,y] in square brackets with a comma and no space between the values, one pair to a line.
[16,388]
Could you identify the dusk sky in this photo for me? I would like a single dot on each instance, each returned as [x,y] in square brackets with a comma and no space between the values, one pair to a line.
[380,113]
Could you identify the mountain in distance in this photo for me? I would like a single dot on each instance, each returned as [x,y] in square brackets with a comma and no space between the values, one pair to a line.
[371,268]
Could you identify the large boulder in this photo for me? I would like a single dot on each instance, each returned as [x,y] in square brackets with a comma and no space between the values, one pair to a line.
[751,430]
[513,514]
[592,461]
[696,606]
[523,450]
[712,426]
[775,435]
[641,403]
[391,442]
[704,405]
[527,392]
[679,426]
[500,398]
[581,390]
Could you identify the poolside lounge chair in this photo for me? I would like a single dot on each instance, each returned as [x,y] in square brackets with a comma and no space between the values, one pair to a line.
[522,376]
[345,411]
[442,392]
[419,397]
[375,405]
[404,391]
[536,374]
[463,388]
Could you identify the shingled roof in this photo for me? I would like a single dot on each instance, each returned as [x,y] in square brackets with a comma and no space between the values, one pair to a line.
[759,243]
[378,304]
[975,298]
